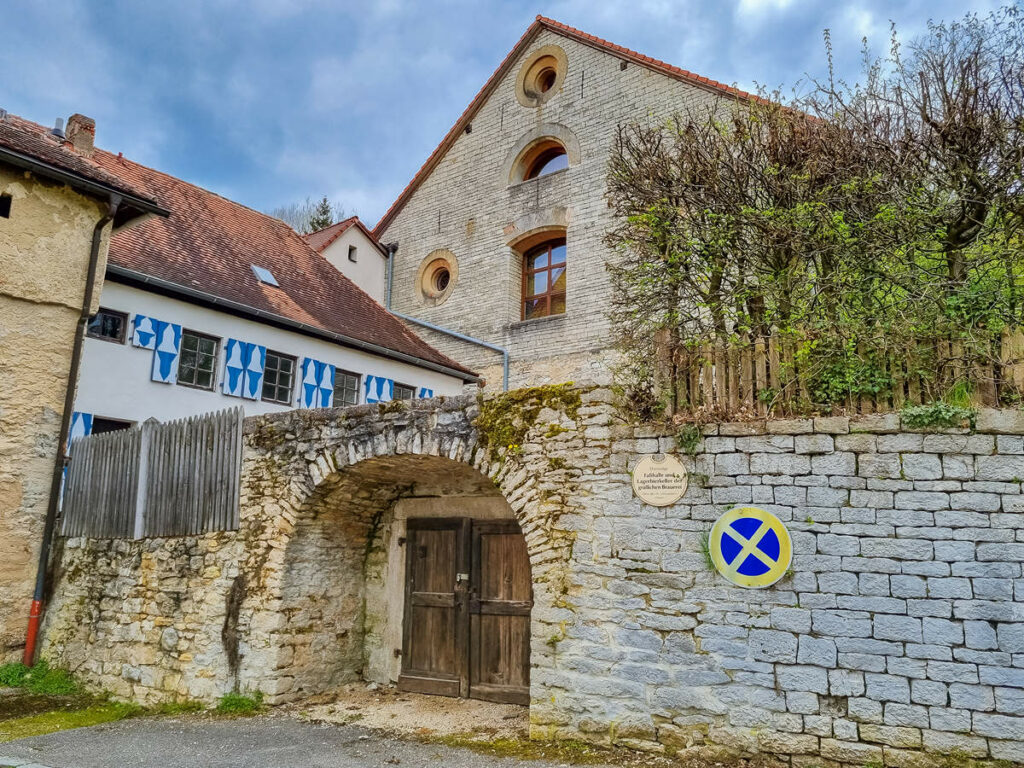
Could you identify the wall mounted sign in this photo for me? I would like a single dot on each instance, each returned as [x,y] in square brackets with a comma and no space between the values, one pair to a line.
[750,547]
[659,480]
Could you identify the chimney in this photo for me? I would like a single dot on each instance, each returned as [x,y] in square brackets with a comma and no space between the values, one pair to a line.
[81,132]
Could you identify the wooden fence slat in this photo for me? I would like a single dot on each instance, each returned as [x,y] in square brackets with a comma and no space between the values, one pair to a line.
[761,374]
[174,479]
[747,373]
[721,399]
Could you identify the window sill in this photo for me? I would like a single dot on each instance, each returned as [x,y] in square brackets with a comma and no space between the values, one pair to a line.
[553,174]
[105,338]
[534,323]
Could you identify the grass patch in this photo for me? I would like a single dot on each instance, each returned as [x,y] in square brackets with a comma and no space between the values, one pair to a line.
[186,707]
[58,720]
[239,704]
[13,675]
[41,678]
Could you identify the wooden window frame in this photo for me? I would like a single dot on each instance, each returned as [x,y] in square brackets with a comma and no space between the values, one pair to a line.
[549,294]
[359,381]
[114,312]
[277,385]
[535,167]
[214,356]
[411,389]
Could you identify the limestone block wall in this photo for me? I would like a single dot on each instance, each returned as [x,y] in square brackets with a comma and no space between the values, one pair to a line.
[44,254]
[897,636]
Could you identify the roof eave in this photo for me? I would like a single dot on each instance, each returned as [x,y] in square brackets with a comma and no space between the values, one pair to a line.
[142,279]
[456,130]
[82,184]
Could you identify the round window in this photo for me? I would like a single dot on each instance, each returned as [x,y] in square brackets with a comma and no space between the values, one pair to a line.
[546,79]
[442,277]
[541,76]
[437,276]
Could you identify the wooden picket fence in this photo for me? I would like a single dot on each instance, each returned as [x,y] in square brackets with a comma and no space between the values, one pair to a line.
[172,479]
[763,375]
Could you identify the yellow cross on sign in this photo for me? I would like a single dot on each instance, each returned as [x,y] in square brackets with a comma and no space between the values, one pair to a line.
[750,547]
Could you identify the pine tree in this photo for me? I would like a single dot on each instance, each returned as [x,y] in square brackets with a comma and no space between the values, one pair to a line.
[322,215]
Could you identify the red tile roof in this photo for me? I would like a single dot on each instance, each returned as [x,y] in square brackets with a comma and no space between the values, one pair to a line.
[37,142]
[322,238]
[532,31]
[209,244]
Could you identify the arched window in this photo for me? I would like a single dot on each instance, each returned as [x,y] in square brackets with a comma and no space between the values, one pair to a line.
[540,158]
[548,161]
[544,279]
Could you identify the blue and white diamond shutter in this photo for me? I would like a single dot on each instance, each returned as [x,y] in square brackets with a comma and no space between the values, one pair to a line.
[165,353]
[255,359]
[317,384]
[81,426]
[144,332]
[325,382]
[378,389]
[234,368]
[425,393]
[309,391]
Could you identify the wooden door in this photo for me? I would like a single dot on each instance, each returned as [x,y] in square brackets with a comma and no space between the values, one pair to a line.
[501,596]
[434,643]
[467,610]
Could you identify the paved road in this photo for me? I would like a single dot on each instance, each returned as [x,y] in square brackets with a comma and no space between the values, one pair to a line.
[259,742]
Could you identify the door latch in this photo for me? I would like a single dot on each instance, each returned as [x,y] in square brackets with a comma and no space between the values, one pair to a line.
[461,577]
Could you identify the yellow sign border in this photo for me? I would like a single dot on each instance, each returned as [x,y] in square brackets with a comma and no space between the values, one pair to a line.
[768,522]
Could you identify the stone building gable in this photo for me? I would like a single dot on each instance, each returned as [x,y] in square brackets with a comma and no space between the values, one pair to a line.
[467,205]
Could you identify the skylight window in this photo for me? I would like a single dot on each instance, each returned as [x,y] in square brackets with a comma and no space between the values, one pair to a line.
[264,275]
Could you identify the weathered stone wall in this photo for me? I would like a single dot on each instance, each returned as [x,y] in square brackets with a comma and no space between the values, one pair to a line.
[468,206]
[44,254]
[898,633]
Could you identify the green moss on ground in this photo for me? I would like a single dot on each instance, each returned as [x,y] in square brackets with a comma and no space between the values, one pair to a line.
[62,720]
[571,752]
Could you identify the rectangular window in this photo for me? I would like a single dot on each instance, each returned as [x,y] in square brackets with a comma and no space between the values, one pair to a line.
[278,378]
[108,325]
[544,280]
[352,253]
[101,425]
[197,361]
[5,206]
[403,392]
[346,388]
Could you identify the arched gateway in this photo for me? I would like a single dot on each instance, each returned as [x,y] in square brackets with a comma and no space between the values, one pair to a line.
[388,546]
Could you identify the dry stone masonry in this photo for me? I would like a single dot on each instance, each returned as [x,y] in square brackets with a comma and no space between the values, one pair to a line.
[897,636]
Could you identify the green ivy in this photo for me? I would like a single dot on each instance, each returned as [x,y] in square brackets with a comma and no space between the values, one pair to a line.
[937,415]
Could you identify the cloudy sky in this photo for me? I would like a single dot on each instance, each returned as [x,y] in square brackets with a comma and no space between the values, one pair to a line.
[272,101]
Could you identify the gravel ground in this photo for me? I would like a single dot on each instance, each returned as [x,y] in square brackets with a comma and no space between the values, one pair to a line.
[414,714]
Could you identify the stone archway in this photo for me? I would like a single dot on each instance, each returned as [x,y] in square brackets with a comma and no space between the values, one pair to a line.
[325,590]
